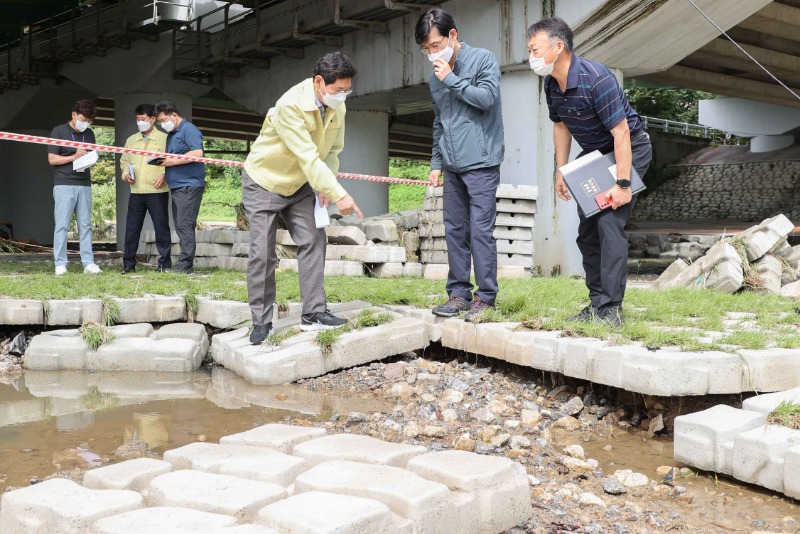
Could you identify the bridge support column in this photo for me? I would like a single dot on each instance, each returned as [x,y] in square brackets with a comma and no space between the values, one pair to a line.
[366,151]
[124,127]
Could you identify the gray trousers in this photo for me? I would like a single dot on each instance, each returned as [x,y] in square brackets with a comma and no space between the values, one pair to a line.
[603,241]
[470,210]
[263,209]
[185,207]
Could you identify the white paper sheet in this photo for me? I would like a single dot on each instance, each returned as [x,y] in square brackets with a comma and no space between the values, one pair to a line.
[85,162]
[321,214]
[580,162]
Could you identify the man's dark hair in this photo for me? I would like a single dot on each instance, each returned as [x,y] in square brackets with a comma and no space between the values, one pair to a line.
[146,109]
[555,28]
[334,66]
[85,108]
[167,108]
[434,18]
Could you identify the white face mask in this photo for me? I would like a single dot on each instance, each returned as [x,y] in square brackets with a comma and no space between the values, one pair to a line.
[446,53]
[540,67]
[332,101]
[168,126]
[143,125]
[81,125]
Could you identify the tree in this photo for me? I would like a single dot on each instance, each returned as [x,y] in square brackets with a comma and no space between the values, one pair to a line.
[673,104]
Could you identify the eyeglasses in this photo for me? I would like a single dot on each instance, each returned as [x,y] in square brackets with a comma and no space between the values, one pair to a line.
[345,93]
[435,46]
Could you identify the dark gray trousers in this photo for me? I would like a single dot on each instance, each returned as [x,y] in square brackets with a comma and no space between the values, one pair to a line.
[263,209]
[603,241]
[185,207]
[470,210]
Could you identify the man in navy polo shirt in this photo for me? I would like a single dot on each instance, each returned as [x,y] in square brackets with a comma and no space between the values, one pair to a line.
[186,180]
[587,103]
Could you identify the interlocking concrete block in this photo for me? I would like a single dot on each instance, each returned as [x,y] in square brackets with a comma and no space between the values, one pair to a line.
[431,191]
[431,230]
[241,249]
[243,529]
[381,230]
[203,262]
[194,331]
[791,290]
[160,520]
[432,203]
[511,272]
[500,485]
[345,235]
[213,250]
[523,192]
[578,356]
[131,330]
[217,236]
[382,255]
[765,404]
[430,506]
[505,246]
[514,205]
[343,268]
[73,312]
[282,438]
[155,309]
[23,411]
[317,512]
[221,344]
[491,339]
[760,239]
[432,217]
[435,243]
[769,370]
[287,264]
[675,268]
[284,238]
[412,269]
[146,354]
[356,448]
[50,353]
[720,269]
[791,472]
[513,233]
[523,260]
[408,219]
[60,505]
[705,439]
[672,373]
[770,268]
[210,492]
[515,219]
[21,311]
[231,264]
[222,313]
[255,463]
[131,475]
[387,270]
[433,256]
[758,454]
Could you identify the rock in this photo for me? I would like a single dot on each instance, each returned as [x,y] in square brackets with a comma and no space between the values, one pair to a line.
[590,499]
[433,431]
[533,480]
[393,371]
[575,465]
[613,486]
[354,418]
[686,498]
[573,407]
[465,443]
[567,423]
[575,451]
[530,417]
[449,415]
[500,408]
[402,390]
[500,440]
[520,442]
[484,416]
[656,424]
[411,430]
[452,396]
[630,479]
[663,470]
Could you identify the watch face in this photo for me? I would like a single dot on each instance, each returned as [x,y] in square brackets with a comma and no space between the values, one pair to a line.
[624,183]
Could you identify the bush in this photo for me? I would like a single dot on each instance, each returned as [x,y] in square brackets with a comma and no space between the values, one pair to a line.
[407,197]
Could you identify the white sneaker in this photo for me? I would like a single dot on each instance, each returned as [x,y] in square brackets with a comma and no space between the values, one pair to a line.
[92,268]
[61,270]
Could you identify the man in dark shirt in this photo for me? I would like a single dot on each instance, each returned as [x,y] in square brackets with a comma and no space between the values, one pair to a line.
[72,189]
[587,103]
[186,180]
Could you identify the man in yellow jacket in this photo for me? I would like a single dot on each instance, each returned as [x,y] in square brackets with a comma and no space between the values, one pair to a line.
[296,153]
[149,192]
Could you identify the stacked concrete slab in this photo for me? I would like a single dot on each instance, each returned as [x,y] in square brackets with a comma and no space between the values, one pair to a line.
[217,248]
[739,443]
[279,479]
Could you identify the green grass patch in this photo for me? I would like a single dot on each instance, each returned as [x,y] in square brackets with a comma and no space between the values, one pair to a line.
[97,400]
[786,414]
[365,319]
[368,318]
[191,302]
[407,197]
[110,311]
[95,335]
[277,339]
[326,338]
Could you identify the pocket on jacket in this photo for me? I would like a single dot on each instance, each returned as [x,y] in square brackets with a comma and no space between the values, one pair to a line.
[469,145]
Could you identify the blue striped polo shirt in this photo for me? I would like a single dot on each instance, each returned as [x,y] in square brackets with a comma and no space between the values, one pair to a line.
[591,105]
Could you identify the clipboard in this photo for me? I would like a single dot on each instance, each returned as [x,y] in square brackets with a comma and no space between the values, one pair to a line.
[590,177]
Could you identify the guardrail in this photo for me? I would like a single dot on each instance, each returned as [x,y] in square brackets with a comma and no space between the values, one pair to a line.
[693,130]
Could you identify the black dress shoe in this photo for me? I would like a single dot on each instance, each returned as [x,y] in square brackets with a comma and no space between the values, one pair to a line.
[126,270]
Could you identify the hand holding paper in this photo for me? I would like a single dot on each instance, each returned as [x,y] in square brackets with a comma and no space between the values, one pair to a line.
[321,214]
[85,162]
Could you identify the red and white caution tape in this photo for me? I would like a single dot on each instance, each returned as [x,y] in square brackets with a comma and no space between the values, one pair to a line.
[39,140]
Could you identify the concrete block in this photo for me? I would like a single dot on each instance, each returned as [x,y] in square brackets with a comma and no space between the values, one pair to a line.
[21,311]
[230,263]
[356,448]
[160,520]
[217,494]
[433,203]
[213,250]
[156,309]
[145,354]
[500,486]
[408,219]
[317,512]
[430,506]
[671,373]
[720,269]
[60,505]
[243,529]
[514,205]
[770,268]
[436,243]
[431,191]
[194,331]
[222,313]
[760,239]
[255,463]
[284,238]
[675,268]
[791,290]
[515,219]
[514,247]
[23,411]
[220,343]
[345,235]
[431,230]
[511,271]
[287,264]
[433,256]
[241,249]
[381,230]
[387,270]
[73,312]
[769,370]
[513,233]
[205,262]
[217,236]
[382,255]
[522,260]
[791,472]
[282,438]
[766,403]
[758,455]
[705,439]
[412,269]
[131,475]
[131,330]
[524,192]
[343,268]
[432,217]
[50,353]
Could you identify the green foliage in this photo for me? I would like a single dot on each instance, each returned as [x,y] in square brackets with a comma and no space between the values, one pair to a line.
[104,205]
[407,197]
[326,338]
[277,339]
[110,311]
[191,302]
[95,335]
[786,414]
[369,317]
[223,182]
[673,104]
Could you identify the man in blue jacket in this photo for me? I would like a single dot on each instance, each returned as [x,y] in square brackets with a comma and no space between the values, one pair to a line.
[468,146]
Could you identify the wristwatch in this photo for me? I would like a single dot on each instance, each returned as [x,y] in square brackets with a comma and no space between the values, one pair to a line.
[624,184]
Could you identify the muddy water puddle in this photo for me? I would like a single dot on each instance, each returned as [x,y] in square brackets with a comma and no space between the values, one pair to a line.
[59,421]
[719,503]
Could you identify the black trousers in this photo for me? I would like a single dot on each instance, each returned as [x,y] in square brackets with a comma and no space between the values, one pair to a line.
[603,241]
[139,204]
[185,207]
